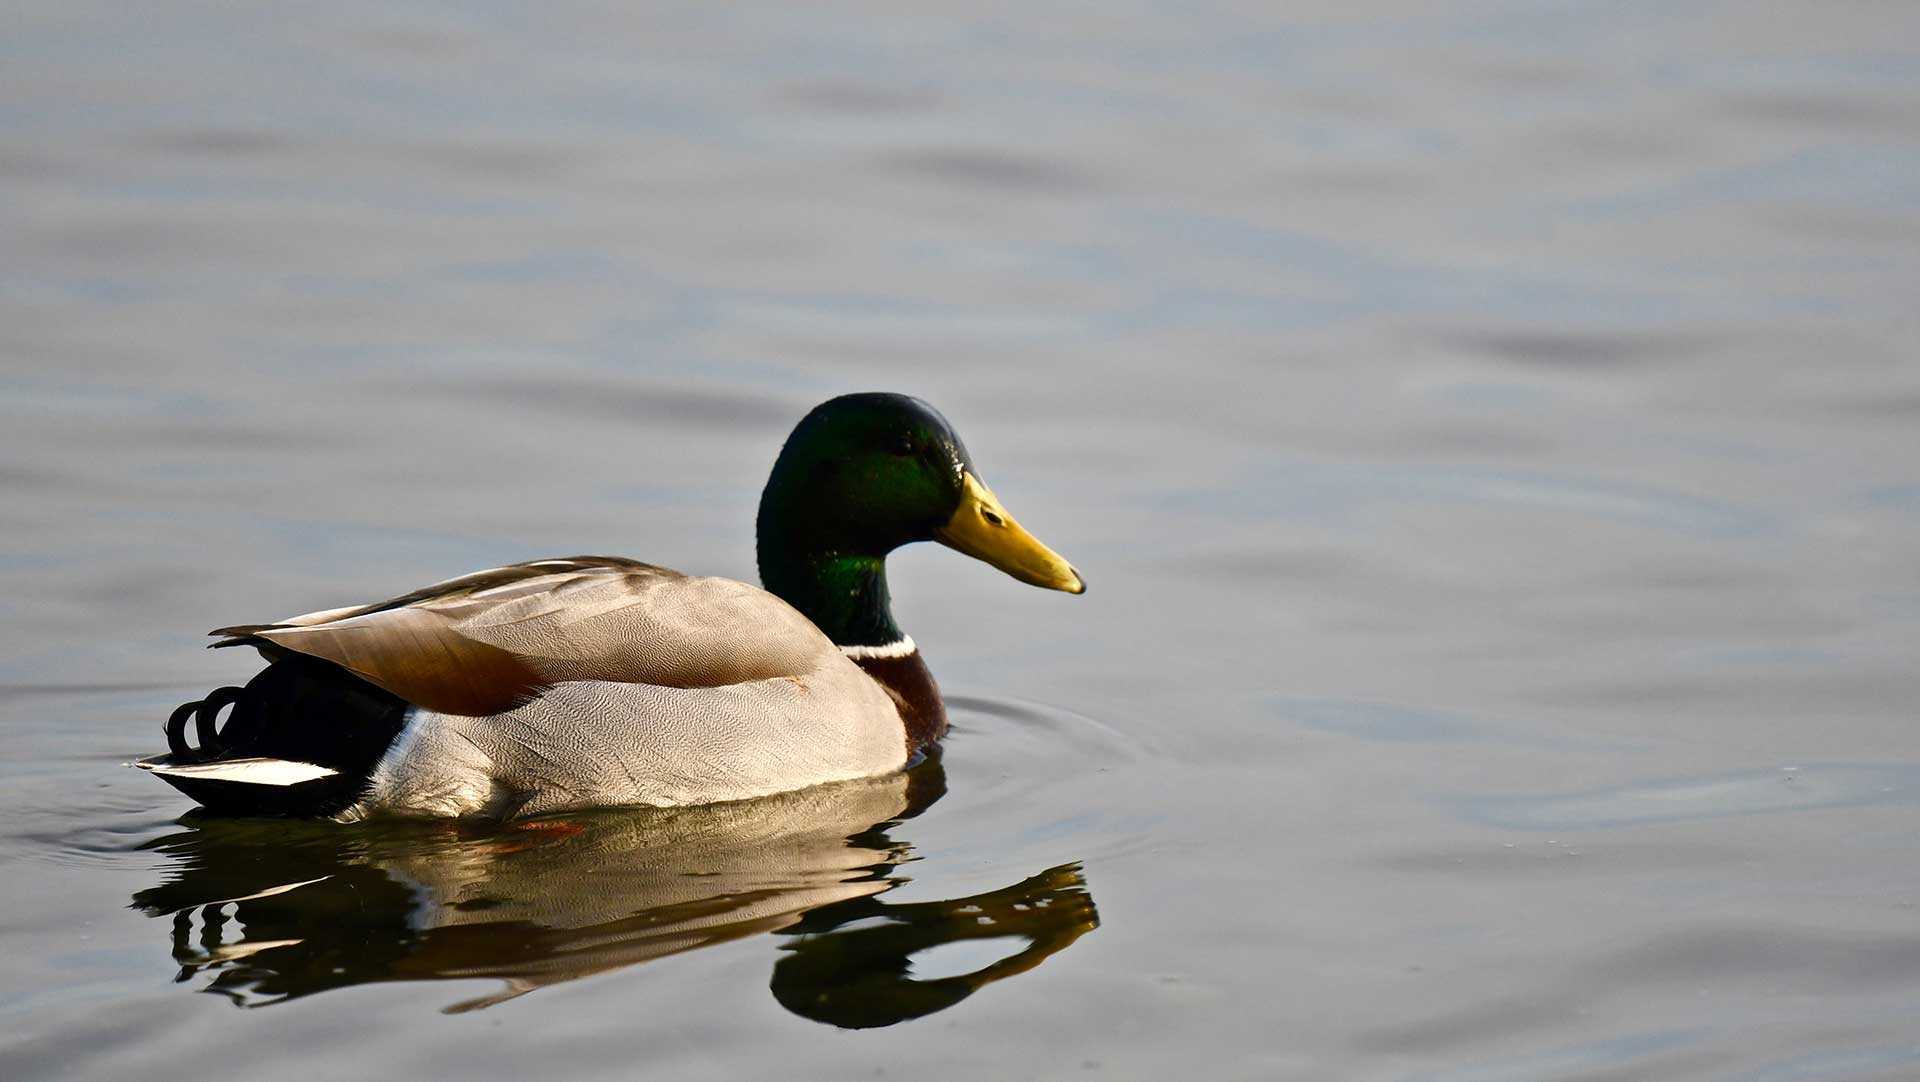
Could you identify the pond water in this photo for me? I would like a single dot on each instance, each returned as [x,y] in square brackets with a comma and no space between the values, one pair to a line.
[1491,435]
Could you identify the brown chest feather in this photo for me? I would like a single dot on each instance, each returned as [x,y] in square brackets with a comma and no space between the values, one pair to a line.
[911,684]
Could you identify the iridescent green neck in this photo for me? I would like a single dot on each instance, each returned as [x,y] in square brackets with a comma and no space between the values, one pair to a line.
[860,475]
[844,595]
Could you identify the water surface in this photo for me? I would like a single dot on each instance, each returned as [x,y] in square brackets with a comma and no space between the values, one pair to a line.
[1491,435]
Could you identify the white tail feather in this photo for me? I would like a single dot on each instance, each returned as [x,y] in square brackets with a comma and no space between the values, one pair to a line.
[251,771]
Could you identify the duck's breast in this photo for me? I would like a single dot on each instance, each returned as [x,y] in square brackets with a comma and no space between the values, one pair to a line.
[592,743]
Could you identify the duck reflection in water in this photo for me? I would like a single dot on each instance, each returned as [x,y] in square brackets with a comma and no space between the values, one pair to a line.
[265,911]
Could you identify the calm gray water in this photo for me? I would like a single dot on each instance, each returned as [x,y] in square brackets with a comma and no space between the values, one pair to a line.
[1491,434]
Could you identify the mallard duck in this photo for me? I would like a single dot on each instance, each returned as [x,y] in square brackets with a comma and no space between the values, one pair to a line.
[585,681]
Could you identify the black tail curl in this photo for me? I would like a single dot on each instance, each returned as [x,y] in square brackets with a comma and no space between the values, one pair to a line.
[205,714]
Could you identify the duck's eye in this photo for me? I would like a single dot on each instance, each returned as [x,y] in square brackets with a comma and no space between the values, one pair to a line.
[902,447]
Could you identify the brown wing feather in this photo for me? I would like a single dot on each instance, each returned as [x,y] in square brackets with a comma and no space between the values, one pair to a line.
[464,584]
[415,655]
[483,643]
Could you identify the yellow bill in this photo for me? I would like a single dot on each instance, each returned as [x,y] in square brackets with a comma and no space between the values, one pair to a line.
[982,529]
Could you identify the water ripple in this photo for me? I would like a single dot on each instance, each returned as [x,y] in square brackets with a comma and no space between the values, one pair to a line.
[1321,492]
[1699,797]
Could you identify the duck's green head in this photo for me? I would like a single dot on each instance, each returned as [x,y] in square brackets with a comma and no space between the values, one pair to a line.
[860,476]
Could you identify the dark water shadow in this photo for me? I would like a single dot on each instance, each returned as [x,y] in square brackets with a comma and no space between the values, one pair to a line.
[266,911]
